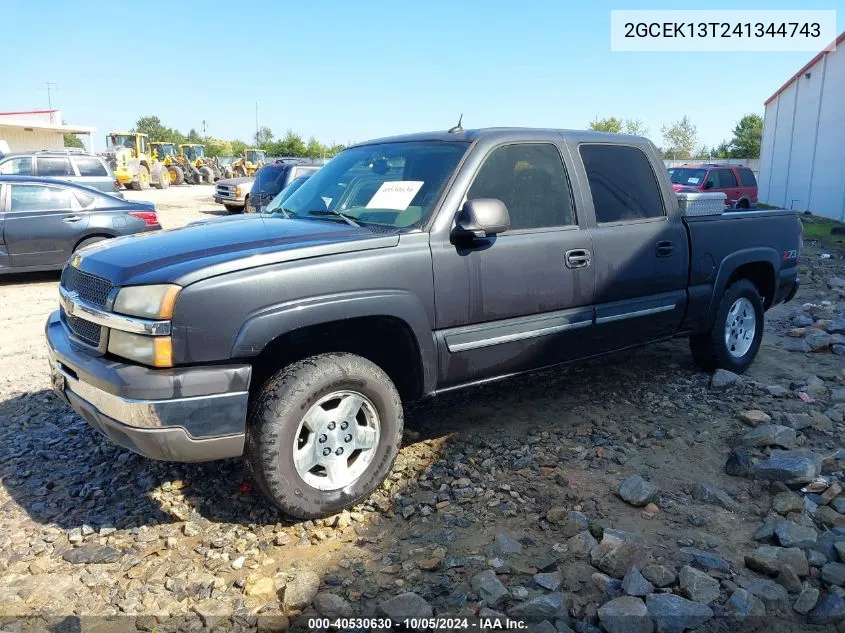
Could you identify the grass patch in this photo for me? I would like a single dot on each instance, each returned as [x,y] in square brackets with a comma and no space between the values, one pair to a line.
[762,206]
[820,229]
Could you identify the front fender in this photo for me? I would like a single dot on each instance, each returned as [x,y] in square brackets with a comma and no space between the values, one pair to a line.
[730,264]
[260,329]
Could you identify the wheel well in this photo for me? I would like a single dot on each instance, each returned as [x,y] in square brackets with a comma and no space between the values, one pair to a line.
[386,341]
[105,236]
[762,275]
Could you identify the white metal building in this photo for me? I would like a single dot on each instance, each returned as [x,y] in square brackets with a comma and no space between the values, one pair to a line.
[802,159]
[38,129]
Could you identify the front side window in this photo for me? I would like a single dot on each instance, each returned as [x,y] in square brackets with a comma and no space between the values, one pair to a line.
[40,198]
[89,166]
[389,185]
[622,183]
[54,167]
[747,178]
[530,180]
[20,166]
[270,179]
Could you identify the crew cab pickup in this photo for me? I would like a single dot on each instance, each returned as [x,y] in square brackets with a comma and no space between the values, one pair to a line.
[404,268]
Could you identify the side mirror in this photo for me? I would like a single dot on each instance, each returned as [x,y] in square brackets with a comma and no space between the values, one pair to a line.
[483,217]
[708,184]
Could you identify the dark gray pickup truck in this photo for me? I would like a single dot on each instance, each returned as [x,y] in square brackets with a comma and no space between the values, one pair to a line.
[404,268]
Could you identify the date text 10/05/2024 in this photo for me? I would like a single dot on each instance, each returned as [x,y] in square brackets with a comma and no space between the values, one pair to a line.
[433,624]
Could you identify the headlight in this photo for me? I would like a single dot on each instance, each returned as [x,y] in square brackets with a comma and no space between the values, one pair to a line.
[237,192]
[151,302]
[156,351]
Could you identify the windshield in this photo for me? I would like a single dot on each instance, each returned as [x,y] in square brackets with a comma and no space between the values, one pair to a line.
[284,194]
[165,149]
[270,178]
[121,140]
[255,156]
[391,185]
[194,152]
[687,176]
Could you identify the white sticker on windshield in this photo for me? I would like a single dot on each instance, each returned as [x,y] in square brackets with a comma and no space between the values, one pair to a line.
[395,194]
[693,180]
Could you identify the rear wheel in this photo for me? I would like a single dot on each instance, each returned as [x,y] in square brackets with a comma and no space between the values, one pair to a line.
[206,175]
[734,339]
[323,434]
[743,204]
[177,176]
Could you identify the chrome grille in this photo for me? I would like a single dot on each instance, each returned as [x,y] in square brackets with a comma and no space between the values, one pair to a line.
[90,288]
[87,331]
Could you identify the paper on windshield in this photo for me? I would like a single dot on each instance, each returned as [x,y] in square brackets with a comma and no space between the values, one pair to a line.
[395,194]
[693,180]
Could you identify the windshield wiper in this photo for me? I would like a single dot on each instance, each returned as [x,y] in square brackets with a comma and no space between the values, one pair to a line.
[345,217]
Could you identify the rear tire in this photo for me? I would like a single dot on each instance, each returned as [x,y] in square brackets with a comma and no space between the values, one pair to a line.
[177,176]
[731,343]
[743,204]
[206,175]
[306,391]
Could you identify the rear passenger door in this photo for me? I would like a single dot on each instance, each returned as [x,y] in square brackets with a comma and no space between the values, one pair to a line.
[729,185]
[641,256]
[43,223]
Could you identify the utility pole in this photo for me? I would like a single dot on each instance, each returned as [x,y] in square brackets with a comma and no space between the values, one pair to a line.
[203,127]
[256,122]
[50,87]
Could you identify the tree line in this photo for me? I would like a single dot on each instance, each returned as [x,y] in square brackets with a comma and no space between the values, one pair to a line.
[680,138]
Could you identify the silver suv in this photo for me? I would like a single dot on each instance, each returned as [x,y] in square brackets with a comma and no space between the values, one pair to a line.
[73,165]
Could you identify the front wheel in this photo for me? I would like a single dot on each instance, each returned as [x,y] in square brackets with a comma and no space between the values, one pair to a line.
[323,434]
[206,175]
[734,339]
[232,208]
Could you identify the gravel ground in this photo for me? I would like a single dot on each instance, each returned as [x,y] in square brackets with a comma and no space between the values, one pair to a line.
[607,496]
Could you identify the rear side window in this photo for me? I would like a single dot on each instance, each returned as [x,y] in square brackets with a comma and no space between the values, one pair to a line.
[89,166]
[622,183]
[747,178]
[530,180]
[48,166]
[726,178]
[20,166]
[40,198]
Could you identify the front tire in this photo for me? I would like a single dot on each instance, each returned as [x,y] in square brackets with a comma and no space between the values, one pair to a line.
[734,339]
[232,209]
[143,182]
[177,176]
[323,434]
[206,175]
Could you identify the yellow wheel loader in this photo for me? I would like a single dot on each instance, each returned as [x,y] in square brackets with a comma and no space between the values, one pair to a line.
[251,161]
[194,154]
[133,162]
[167,155]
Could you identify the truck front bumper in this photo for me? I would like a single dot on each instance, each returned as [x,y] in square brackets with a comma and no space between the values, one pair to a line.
[235,202]
[190,414]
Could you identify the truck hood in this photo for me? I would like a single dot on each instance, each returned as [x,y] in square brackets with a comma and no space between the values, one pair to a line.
[241,180]
[189,254]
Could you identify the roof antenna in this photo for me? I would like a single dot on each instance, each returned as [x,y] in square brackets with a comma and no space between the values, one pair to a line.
[458,127]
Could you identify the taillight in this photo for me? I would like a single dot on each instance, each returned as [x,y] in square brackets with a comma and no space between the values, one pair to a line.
[149,217]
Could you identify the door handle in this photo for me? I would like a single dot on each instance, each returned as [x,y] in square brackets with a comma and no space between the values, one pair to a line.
[577,258]
[664,249]
[73,218]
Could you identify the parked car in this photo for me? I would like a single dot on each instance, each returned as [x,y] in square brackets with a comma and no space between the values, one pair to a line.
[233,193]
[404,268]
[735,181]
[44,220]
[72,165]
[272,178]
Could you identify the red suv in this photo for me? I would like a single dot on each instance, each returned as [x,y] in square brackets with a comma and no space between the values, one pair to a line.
[736,182]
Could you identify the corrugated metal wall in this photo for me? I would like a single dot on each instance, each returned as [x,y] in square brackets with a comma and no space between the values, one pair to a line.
[21,141]
[802,159]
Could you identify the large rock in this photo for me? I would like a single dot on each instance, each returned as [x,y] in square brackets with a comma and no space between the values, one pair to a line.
[806,600]
[658,575]
[706,493]
[789,467]
[742,605]
[544,607]
[830,517]
[636,491]
[770,435]
[506,545]
[405,605]
[769,560]
[722,378]
[621,558]
[674,614]
[773,595]
[581,544]
[755,417]
[549,581]
[703,558]
[818,342]
[829,610]
[332,606]
[739,464]
[611,587]
[263,587]
[92,555]
[791,534]
[834,574]
[840,550]
[300,591]
[489,588]
[635,584]
[625,615]
[698,586]
[787,501]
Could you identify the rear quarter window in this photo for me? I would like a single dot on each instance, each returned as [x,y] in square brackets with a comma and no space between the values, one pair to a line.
[622,182]
[90,167]
[747,178]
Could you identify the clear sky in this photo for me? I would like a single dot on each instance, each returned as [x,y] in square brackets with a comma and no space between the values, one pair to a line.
[348,71]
